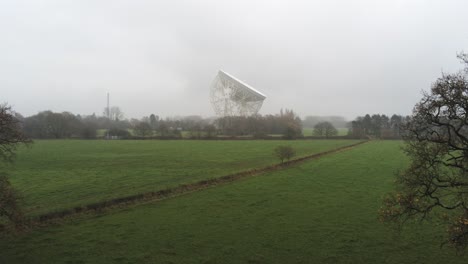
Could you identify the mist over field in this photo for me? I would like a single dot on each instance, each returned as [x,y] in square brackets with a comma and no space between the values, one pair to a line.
[337,57]
[248,131]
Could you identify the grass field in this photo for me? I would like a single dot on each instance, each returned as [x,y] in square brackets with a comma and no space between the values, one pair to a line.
[322,211]
[59,174]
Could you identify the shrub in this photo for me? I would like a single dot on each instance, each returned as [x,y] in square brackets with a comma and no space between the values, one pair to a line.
[9,208]
[120,133]
[284,153]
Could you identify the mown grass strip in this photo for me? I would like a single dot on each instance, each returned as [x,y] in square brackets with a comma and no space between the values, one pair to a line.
[181,189]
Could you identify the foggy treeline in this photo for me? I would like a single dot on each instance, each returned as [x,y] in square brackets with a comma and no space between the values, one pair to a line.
[52,125]
[378,126]
[287,123]
[336,121]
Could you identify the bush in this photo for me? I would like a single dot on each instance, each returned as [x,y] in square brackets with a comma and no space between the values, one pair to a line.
[120,133]
[9,208]
[284,153]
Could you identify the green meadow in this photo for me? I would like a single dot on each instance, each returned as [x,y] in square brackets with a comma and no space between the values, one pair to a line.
[320,211]
[61,174]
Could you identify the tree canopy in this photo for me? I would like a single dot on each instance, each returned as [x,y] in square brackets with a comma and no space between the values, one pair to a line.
[377,126]
[284,153]
[436,182]
[11,136]
[325,129]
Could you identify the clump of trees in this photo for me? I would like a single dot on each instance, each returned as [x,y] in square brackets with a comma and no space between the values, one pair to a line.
[48,124]
[113,113]
[11,137]
[143,129]
[436,141]
[286,123]
[325,129]
[336,121]
[377,126]
[9,208]
[118,133]
[284,153]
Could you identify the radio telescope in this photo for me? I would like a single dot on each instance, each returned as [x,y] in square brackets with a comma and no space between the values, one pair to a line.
[232,97]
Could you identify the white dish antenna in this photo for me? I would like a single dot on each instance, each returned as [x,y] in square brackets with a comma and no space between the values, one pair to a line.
[232,97]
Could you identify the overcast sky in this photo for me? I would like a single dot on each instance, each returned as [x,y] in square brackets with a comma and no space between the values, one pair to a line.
[316,57]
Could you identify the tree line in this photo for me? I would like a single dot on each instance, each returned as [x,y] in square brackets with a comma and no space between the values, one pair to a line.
[377,126]
[335,121]
[286,123]
[53,125]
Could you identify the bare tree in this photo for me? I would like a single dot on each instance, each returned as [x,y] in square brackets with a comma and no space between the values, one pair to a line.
[325,129]
[114,113]
[153,121]
[210,131]
[436,182]
[143,129]
[163,128]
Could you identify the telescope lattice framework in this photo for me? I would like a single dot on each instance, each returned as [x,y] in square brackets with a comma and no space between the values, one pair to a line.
[232,97]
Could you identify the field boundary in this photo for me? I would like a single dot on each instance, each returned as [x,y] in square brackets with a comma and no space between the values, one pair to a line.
[180,189]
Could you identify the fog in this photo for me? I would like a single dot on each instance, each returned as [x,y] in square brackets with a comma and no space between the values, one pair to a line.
[343,58]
